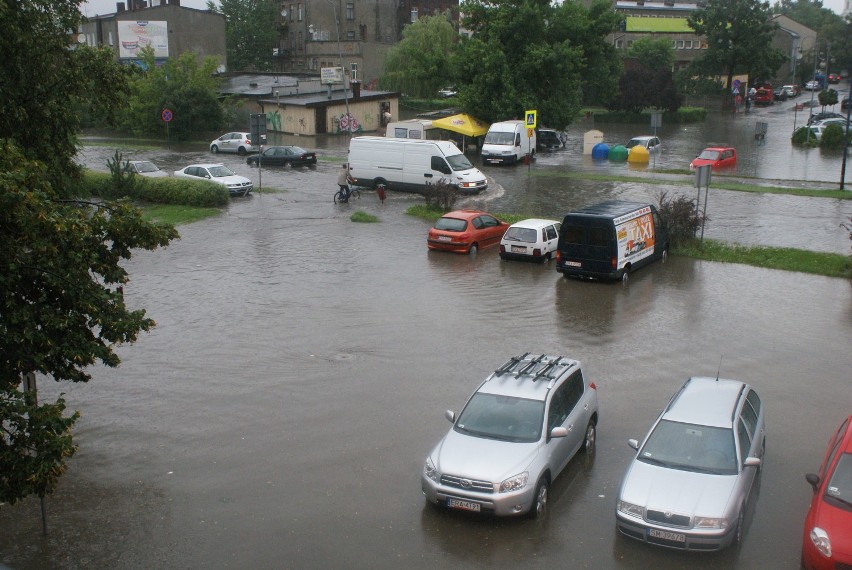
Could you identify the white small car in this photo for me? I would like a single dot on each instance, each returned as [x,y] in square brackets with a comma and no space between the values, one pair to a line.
[239,143]
[146,168]
[220,174]
[529,240]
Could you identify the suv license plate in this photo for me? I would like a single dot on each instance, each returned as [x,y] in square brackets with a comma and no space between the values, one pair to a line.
[573,264]
[465,505]
[666,535]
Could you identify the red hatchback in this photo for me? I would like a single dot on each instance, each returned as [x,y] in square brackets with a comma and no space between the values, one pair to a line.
[465,231]
[718,157]
[827,540]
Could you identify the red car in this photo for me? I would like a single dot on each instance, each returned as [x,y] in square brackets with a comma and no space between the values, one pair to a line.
[827,540]
[718,157]
[465,231]
[764,97]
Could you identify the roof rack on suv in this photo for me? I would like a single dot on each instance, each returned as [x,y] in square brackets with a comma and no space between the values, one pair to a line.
[538,367]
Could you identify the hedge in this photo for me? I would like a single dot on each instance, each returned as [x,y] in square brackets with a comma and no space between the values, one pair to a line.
[178,191]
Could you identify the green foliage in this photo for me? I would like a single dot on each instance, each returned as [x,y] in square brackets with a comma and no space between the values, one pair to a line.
[363,217]
[739,36]
[46,79]
[831,29]
[834,138]
[653,53]
[188,88]
[679,215]
[827,98]
[641,87]
[803,136]
[419,65]
[178,191]
[527,54]
[250,33]
[441,196]
[122,177]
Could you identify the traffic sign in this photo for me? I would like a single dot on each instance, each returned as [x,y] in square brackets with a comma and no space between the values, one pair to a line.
[166,115]
[531,119]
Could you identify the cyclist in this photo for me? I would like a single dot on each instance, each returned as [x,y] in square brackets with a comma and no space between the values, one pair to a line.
[343,180]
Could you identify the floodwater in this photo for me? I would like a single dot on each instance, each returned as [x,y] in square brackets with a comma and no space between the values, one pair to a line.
[279,414]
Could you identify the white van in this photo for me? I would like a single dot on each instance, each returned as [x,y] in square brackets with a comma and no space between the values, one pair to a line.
[410,164]
[508,142]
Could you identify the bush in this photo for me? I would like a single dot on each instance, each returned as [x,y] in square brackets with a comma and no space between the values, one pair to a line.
[177,191]
[680,217]
[801,137]
[441,196]
[833,138]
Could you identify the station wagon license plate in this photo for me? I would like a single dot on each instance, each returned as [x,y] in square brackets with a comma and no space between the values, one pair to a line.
[666,535]
[464,505]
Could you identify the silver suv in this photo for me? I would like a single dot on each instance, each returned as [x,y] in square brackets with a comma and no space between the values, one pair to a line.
[516,433]
[688,485]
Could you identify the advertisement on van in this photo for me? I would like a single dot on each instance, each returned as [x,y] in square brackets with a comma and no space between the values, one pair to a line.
[635,233]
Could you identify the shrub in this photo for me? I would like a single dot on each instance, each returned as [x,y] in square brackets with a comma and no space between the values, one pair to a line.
[801,137]
[441,196]
[177,191]
[680,217]
[833,138]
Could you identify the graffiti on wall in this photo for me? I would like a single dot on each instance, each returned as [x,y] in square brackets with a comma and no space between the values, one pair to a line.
[273,121]
[347,123]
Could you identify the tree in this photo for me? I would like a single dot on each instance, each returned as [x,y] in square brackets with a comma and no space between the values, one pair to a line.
[832,30]
[653,53]
[250,33]
[61,302]
[189,89]
[419,64]
[531,54]
[827,98]
[739,36]
[648,80]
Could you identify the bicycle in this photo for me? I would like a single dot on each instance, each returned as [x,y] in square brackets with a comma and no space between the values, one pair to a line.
[343,197]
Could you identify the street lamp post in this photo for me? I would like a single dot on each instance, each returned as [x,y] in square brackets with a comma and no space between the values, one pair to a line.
[813,89]
[342,68]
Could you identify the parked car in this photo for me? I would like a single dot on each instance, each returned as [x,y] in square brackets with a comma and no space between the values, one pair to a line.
[532,239]
[220,174]
[285,156]
[146,168]
[514,436]
[239,143]
[827,539]
[841,121]
[792,90]
[844,103]
[834,78]
[818,117]
[780,94]
[448,92]
[818,129]
[718,157]
[688,485]
[763,97]
[813,85]
[651,143]
[465,231]
[548,139]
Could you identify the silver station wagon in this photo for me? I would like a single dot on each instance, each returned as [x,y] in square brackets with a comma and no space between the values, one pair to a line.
[517,432]
[689,484]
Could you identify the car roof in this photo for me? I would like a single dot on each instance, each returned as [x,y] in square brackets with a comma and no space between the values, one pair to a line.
[140,162]
[528,376]
[719,148]
[643,138]
[465,214]
[706,401]
[204,164]
[534,223]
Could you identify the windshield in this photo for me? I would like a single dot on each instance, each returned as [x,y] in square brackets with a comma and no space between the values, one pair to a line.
[220,171]
[526,235]
[839,486]
[145,167]
[502,417]
[709,154]
[635,142]
[500,137]
[459,162]
[691,447]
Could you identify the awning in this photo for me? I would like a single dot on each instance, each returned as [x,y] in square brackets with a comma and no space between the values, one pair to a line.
[463,124]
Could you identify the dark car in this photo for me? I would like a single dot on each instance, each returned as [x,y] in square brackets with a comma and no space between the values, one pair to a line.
[844,103]
[780,94]
[548,139]
[285,156]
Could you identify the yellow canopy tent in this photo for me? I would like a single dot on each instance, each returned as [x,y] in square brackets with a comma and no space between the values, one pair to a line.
[463,124]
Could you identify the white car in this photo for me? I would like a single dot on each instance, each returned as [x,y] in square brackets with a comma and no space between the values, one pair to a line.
[813,86]
[220,174]
[651,143]
[239,143]
[532,239]
[146,168]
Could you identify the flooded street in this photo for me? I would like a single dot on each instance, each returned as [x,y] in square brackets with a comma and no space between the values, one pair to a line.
[279,414]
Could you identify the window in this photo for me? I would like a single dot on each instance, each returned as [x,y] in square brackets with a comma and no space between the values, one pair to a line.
[629,44]
[618,44]
[110,39]
[551,232]
[350,11]
[680,44]
[413,15]
[354,68]
[599,236]
[688,44]
[292,12]
[745,441]
[558,412]
[300,11]
[573,234]
[350,35]
[574,391]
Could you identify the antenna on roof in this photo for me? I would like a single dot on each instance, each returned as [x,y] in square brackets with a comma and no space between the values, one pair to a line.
[719,369]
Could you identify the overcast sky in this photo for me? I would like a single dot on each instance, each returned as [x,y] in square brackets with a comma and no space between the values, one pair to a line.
[97,7]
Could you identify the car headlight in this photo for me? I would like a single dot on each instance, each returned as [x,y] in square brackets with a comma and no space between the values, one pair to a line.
[710,522]
[629,508]
[820,539]
[515,482]
[430,471]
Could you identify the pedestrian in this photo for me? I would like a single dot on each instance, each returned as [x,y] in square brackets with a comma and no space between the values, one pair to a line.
[343,180]
[380,191]
[387,118]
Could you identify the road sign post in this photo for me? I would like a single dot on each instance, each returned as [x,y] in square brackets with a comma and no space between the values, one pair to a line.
[167,117]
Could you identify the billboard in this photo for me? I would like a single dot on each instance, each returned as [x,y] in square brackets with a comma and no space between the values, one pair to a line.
[329,75]
[135,35]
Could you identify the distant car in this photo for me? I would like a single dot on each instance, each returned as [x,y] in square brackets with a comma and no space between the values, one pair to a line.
[813,85]
[285,156]
[220,174]
[146,168]
[827,540]
[817,117]
[517,432]
[763,97]
[841,121]
[718,157]
[548,139]
[239,143]
[780,94]
[465,231]
[833,78]
[651,143]
[532,239]
[792,90]
[688,486]
[448,92]
[818,129]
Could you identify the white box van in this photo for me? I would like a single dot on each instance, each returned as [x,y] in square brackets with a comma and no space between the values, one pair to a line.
[508,142]
[410,164]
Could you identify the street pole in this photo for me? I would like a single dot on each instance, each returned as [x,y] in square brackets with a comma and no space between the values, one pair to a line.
[846,146]
[811,110]
[342,69]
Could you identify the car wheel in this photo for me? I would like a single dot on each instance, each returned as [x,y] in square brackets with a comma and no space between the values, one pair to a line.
[546,257]
[241,151]
[665,255]
[473,249]
[589,439]
[214,149]
[539,506]
[287,165]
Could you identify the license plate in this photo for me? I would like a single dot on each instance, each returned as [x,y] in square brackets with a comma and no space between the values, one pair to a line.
[573,264]
[464,505]
[666,535]
[518,249]
[445,238]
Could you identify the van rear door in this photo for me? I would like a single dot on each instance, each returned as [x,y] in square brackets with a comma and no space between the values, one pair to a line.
[586,246]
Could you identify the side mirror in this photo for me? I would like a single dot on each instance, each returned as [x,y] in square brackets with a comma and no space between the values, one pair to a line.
[752,462]
[813,479]
[450,415]
[559,432]
[633,443]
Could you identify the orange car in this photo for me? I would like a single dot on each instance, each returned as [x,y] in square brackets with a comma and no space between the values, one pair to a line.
[465,231]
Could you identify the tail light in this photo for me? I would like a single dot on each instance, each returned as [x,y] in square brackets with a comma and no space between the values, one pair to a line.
[536,252]
[613,262]
[502,248]
[558,256]
[248,142]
